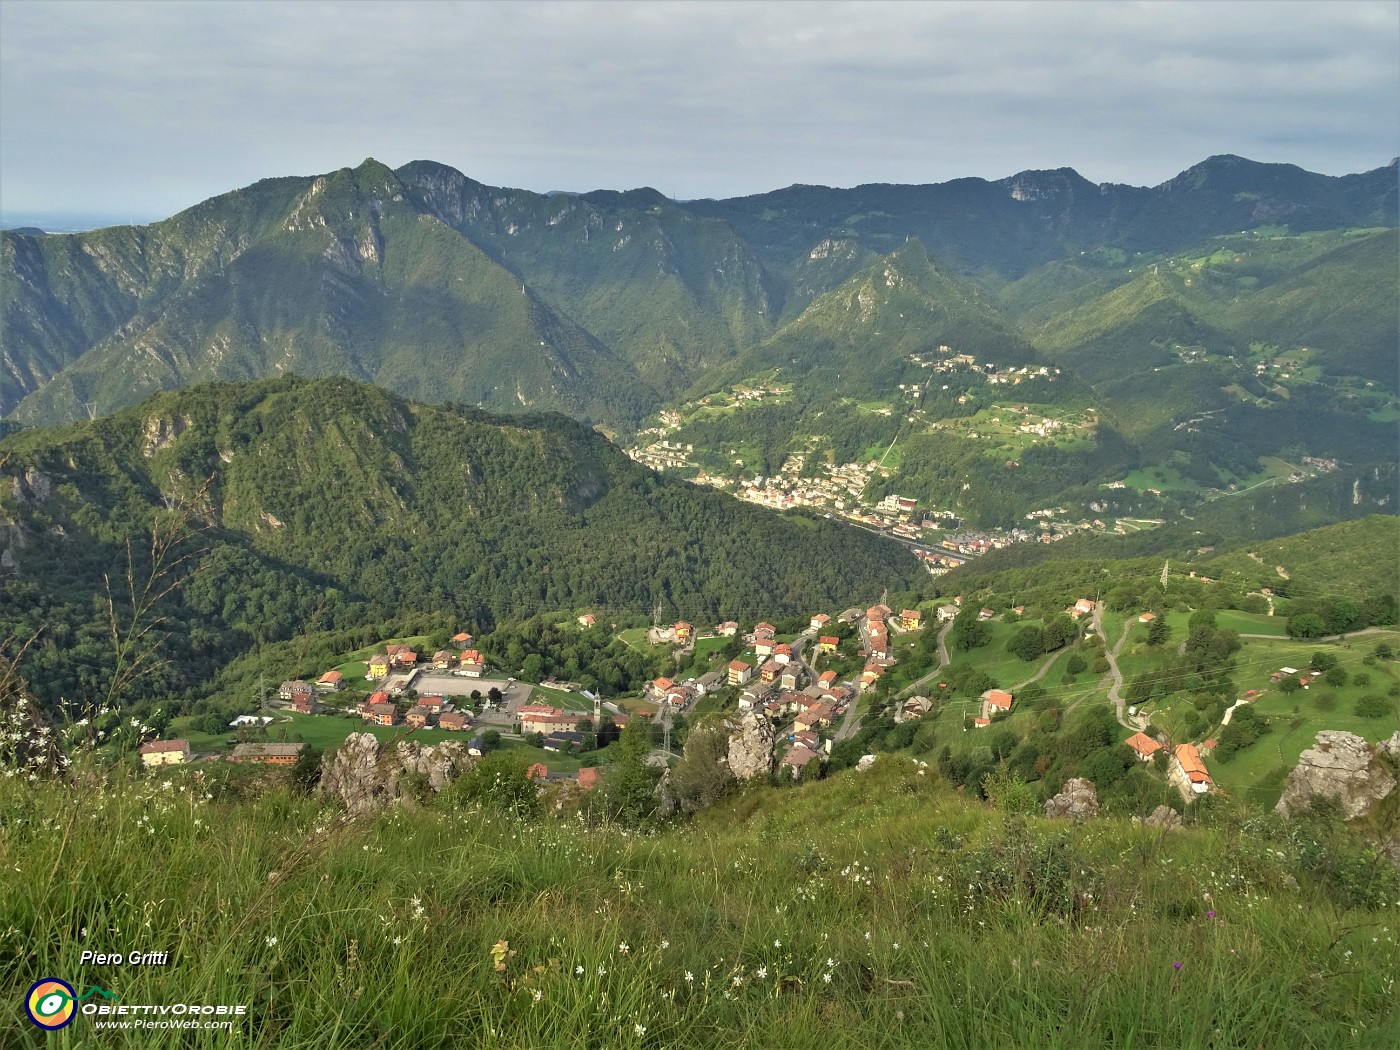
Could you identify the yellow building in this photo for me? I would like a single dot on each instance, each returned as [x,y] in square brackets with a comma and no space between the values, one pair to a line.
[165,753]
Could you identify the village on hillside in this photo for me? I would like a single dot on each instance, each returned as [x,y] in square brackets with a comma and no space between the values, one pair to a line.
[839,490]
[814,685]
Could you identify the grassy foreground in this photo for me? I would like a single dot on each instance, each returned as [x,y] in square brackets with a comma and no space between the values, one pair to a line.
[869,910]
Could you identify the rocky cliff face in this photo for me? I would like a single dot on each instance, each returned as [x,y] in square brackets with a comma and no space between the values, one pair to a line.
[1077,799]
[750,746]
[1344,767]
[366,776]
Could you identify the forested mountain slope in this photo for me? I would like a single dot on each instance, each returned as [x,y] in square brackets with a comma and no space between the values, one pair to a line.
[316,505]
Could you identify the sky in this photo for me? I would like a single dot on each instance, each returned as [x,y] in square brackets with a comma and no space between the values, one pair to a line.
[137,110]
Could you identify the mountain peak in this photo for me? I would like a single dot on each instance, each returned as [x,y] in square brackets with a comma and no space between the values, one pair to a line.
[1046,184]
[642,197]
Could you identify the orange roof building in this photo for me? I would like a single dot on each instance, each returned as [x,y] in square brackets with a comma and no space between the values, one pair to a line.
[1143,745]
[1189,760]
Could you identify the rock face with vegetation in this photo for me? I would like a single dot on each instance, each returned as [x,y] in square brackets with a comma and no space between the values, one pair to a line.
[1163,817]
[1077,800]
[1342,767]
[750,746]
[366,776]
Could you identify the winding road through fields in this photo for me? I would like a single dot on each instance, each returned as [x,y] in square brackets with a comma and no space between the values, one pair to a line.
[1115,690]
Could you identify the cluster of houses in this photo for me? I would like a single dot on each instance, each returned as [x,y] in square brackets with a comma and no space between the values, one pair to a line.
[560,728]
[461,659]
[680,696]
[1186,765]
[1304,678]
[379,709]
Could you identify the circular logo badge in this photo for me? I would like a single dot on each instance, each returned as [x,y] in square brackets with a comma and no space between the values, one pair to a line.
[51,1003]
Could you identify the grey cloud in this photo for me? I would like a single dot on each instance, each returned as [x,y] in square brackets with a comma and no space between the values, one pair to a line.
[154,106]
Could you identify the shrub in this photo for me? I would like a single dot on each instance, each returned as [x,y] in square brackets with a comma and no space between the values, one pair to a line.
[1372,706]
[500,780]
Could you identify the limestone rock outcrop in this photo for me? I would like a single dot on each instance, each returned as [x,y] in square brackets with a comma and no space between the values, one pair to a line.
[1076,800]
[366,776]
[750,746]
[1163,817]
[1343,767]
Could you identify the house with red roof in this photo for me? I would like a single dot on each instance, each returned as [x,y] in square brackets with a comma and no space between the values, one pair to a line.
[995,702]
[1189,765]
[1143,746]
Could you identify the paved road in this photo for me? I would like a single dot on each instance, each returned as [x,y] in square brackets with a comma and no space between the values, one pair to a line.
[943,662]
[1114,690]
[850,724]
[798,644]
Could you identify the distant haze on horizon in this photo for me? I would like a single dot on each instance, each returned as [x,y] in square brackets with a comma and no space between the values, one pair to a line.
[134,111]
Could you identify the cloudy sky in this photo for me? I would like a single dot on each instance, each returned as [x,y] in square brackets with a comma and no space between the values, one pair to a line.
[136,110]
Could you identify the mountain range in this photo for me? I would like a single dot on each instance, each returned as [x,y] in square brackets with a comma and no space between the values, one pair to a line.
[599,303]
[1173,312]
